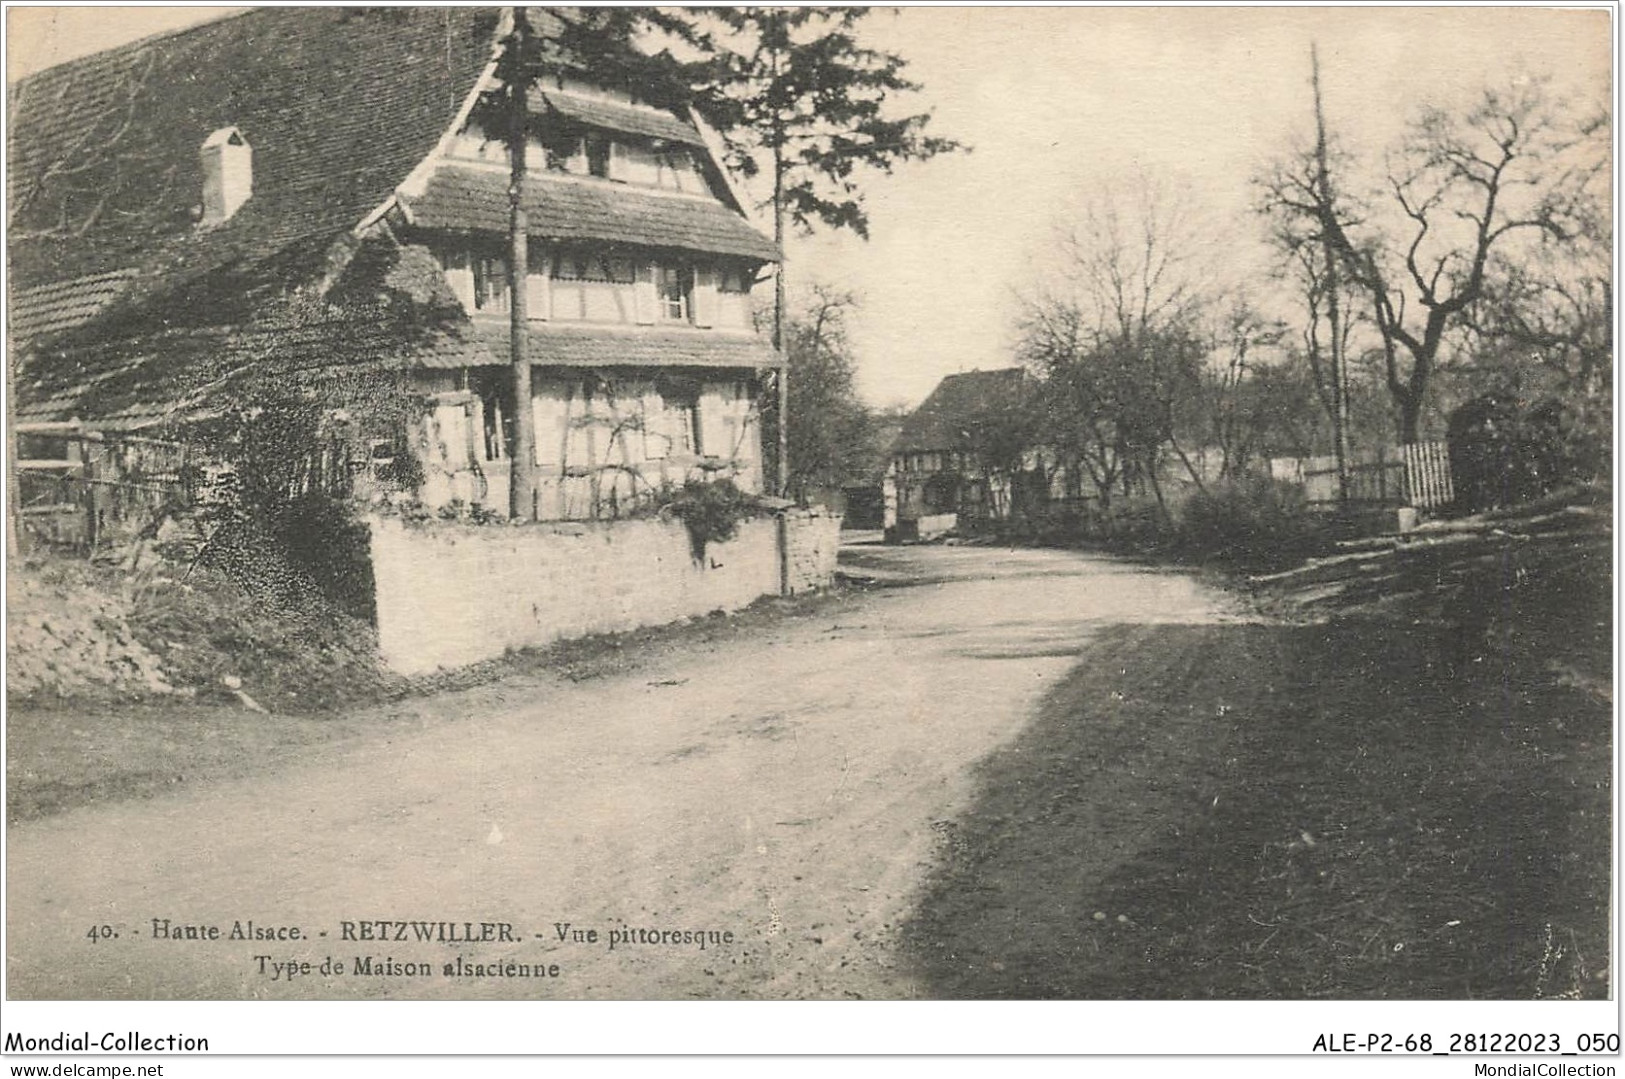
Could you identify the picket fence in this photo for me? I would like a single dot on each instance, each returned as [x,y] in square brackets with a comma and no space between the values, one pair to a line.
[1414,475]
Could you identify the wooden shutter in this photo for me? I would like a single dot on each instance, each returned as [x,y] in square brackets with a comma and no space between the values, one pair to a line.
[552,407]
[656,446]
[705,296]
[460,275]
[538,294]
[452,434]
[644,298]
[716,412]
[578,432]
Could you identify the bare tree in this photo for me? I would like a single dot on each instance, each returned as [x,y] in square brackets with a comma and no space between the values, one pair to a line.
[70,182]
[1464,186]
[1115,333]
[1554,308]
[830,431]
[1237,409]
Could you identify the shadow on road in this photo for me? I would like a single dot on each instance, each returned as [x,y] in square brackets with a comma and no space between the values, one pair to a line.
[1349,811]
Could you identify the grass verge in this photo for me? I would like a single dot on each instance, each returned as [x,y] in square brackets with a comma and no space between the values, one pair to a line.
[1411,800]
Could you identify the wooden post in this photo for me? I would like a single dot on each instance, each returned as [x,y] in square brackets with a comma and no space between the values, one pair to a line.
[783,537]
[15,537]
[782,479]
[522,475]
[1339,364]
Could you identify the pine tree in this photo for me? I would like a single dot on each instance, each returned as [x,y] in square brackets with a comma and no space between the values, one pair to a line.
[799,95]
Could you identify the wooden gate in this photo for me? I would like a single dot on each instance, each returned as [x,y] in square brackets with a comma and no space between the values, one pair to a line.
[1427,474]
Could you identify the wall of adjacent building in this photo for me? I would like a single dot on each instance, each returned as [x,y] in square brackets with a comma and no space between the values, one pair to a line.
[810,542]
[449,593]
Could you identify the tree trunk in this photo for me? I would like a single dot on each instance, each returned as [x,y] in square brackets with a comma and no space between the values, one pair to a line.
[522,476]
[1334,309]
[783,479]
[1410,419]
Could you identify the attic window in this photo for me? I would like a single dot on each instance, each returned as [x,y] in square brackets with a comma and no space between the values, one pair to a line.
[228,174]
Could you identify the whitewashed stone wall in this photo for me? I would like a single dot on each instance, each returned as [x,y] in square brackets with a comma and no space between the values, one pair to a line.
[449,593]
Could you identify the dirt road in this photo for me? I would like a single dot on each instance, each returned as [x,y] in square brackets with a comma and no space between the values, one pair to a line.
[769,811]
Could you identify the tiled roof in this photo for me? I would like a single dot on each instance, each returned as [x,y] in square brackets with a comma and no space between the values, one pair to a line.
[178,375]
[133,315]
[48,309]
[172,376]
[555,344]
[339,104]
[654,123]
[572,208]
[944,420]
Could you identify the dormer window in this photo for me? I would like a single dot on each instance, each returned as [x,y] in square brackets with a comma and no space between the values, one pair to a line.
[228,174]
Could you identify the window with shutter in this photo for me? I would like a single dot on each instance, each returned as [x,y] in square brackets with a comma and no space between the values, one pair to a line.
[604,295]
[578,422]
[672,284]
[450,434]
[568,291]
[490,284]
[683,417]
[733,299]
[598,153]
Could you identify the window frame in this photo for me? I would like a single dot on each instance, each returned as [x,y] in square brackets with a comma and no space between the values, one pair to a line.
[682,276]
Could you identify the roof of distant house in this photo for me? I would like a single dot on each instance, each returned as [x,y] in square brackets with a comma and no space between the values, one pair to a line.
[942,422]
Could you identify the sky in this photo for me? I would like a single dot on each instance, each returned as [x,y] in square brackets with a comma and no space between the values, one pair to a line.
[1061,103]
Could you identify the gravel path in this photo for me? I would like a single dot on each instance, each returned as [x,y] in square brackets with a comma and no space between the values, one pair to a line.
[779,800]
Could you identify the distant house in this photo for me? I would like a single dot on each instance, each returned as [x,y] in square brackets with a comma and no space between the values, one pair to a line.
[306,191]
[962,459]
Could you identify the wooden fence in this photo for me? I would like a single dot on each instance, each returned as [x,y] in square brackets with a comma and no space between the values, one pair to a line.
[1414,475]
[82,489]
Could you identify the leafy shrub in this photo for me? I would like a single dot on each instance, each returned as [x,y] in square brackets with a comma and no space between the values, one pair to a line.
[1504,452]
[326,539]
[711,511]
[1251,521]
